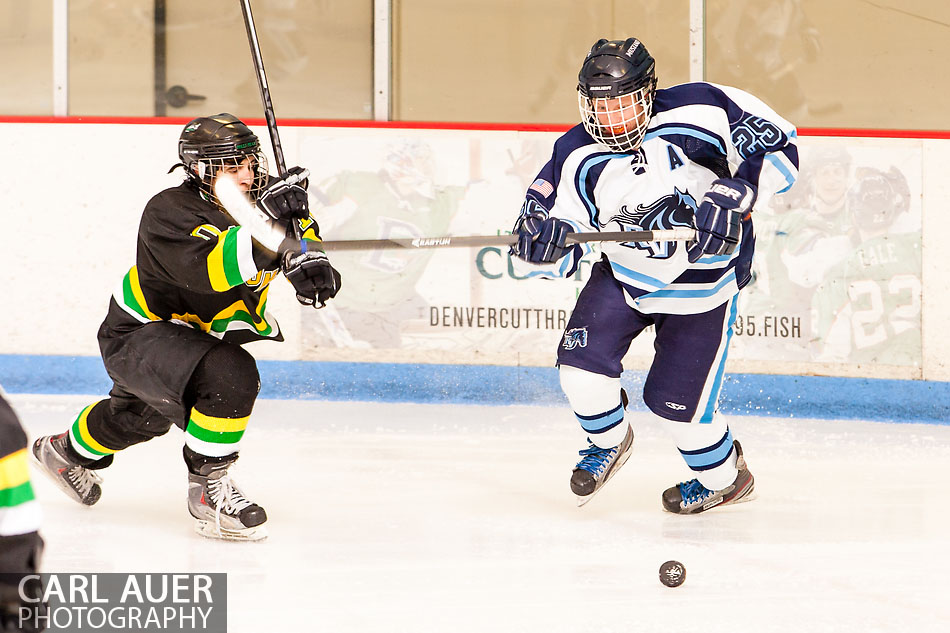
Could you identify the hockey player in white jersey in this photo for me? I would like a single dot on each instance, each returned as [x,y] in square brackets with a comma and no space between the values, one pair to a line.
[697,155]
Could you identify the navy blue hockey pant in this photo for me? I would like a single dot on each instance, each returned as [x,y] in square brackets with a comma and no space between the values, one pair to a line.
[684,379]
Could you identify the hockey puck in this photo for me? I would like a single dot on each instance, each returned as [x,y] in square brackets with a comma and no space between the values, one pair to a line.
[672,573]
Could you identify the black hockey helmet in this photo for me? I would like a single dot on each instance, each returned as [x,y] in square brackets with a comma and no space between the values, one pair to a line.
[618,81]
[614,68]
[207,144]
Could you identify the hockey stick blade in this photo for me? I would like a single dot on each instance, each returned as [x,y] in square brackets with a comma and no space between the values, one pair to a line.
[681,234]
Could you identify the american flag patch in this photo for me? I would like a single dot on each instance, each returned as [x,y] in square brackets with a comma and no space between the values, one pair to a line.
[542,186]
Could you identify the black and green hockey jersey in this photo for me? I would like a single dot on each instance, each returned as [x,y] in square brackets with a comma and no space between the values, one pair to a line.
[196,267]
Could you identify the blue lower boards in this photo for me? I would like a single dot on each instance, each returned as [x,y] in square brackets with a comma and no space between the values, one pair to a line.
[742,394]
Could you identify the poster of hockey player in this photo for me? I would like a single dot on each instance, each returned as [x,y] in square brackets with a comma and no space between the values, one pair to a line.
[463,301]
[841,274]
[837,280]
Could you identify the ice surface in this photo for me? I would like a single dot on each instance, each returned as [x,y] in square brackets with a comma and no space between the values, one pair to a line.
[447,518]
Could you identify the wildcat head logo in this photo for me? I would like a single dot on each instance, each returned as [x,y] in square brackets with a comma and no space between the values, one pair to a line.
[575,337]
[675,209]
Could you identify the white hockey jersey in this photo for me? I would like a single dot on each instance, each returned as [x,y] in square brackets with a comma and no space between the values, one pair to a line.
[698,132]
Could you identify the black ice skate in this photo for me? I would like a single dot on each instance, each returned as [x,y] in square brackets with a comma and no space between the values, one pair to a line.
[598,466]
[217,504]
[80,482]
[691,497]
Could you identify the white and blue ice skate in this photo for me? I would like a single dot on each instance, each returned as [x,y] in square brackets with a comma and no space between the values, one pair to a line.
[691,497]
[597,466]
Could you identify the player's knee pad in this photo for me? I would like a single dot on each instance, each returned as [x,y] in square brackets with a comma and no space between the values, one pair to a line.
[597,403]
[226,382]
[707,450]
[122,422]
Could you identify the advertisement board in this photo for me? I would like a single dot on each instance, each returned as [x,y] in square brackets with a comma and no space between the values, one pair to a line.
[837,269]
[840,268]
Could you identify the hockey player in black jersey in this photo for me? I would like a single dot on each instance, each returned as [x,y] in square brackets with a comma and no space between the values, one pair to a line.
[20,542]
[171,341]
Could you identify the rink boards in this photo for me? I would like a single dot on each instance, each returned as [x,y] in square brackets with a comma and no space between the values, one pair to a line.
[846,302]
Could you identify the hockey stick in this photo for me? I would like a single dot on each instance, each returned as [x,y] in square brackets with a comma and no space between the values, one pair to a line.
[270,234]
[667,235]
[265,95]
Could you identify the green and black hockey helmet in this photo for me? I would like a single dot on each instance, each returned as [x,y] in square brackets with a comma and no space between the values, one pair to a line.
[208,144]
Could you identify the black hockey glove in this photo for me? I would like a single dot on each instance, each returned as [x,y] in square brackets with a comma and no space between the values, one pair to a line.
[314,279]
[541,239]
[719,217]
[285,198]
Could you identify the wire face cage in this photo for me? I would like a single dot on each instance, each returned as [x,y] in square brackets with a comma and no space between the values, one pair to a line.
[620,123]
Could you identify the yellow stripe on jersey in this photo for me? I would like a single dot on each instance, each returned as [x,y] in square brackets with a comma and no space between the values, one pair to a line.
[216,273]
[14,470]
[237,311]
[239,307]
[137,293]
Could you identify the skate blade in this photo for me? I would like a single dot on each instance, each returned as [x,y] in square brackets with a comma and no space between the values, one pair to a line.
[750,496]
[583,500]
[209,530]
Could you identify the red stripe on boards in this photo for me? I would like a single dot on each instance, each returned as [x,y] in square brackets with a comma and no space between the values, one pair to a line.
[444,125]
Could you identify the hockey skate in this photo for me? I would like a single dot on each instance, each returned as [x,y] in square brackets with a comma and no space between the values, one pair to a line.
[219,507]
[691,497]
[598,466]
[81,483]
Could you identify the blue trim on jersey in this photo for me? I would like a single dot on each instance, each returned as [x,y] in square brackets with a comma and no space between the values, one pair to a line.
[574,138]
[697,93]
[697,293]
[640,277]
[681,129]
[710,409]
[602,422]
[715,259]
[751,144]
[581,182]
[779,165]
[710,457]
